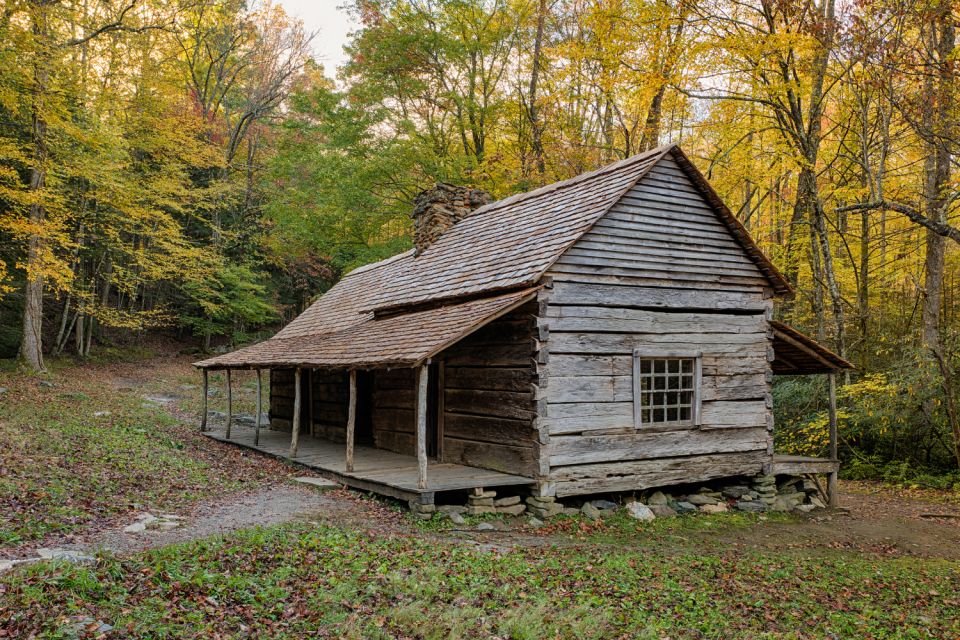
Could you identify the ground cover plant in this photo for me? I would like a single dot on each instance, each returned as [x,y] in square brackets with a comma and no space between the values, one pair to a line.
[319,581]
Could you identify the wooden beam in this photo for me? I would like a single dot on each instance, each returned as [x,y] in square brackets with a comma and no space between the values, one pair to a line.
[229,404]
[256,433]
[422,426]
[206,387]
[310,401]
[295,429]
[834,498]
[351,419]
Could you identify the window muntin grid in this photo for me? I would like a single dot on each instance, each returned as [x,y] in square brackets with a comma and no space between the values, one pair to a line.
[667,389]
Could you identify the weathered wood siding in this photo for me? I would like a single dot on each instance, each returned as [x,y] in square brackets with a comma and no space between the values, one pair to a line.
[659,270]
[489,396]
[281,399]
[329,394]
[394,410]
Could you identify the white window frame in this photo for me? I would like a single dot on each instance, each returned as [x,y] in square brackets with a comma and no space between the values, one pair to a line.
[694,422]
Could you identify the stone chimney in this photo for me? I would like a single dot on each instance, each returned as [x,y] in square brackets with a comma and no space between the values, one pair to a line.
[436,210]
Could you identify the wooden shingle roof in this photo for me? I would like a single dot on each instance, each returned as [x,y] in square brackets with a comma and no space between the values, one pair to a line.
[505,246]
[796,353]
[395,341]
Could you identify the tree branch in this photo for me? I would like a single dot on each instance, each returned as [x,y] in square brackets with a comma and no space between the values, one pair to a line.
[938,228]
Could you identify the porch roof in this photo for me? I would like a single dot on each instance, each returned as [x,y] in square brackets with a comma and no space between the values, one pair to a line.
[796,353]
[403,340]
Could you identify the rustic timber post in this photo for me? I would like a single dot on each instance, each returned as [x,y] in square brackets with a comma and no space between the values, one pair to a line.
[832,496]
[229,404]
[422,426]
[206,385]
[295,435]
[256,432]
[351,418]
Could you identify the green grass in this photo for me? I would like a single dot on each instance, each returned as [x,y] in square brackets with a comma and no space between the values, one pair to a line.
[305,581]
[64,468]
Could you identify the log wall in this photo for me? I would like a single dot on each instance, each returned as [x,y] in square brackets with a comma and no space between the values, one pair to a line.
[661,271]
[489,396]
[329,395]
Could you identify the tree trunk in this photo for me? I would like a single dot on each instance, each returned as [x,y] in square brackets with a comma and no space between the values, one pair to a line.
[533,114]
[937,114]
[31,345]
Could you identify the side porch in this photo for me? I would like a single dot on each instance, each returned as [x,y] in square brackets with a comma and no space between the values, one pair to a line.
[377,470]
[407,406]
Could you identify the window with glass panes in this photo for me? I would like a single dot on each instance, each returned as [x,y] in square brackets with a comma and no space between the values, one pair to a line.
[667,389]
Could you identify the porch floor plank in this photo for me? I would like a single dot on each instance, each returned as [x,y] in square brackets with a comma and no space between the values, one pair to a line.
[800,465]
[376,470]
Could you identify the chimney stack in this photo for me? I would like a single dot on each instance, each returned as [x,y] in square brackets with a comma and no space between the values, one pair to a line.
[436,210]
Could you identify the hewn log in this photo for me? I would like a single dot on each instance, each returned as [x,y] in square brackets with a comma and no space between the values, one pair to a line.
[256,433]
[295,435]
[422,426]
[206,387]
[351,418]
[229,404]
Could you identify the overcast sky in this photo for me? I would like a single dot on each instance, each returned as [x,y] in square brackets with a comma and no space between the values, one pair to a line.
[331,25]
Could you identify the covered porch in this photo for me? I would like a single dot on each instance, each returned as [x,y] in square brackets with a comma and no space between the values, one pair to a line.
[377,470]
[365,406]
[797,354]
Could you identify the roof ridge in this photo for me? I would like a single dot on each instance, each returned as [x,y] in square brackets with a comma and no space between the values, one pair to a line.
[375,265]
[561,184]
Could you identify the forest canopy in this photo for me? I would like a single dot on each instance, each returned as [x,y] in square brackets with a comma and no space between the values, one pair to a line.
[187,165]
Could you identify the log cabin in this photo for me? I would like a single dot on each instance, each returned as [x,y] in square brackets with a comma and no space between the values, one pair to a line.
[609,333]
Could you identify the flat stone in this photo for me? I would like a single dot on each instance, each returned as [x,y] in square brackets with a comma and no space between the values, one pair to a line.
[166,525]
[456,518]
[817,502]
[146,517]
[805,508]
[480,502]
[475,509]
[751,506]
[506,501]
[136,527]
[3,390]
[569,511]
[605,505]
[319,483]
[512,509]
[421,516]
[541,501]
[714,508]
[484,494]
[66,555]
[699,499]
[485,526]
[452,508]
[658,497]
[685,507]
[46,384]
[735,491]
[591,511]
[100,414]
[641,512]
[535,522]
[171,516]
[662,510]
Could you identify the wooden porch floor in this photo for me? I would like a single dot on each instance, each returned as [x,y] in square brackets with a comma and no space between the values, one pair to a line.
[376,470]
[800,465]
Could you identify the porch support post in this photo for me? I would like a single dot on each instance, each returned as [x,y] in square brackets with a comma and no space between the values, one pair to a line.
[351,419]
[422,426]
[295,435]
[206,387]
[229,404]
[832,496]
[256,432]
